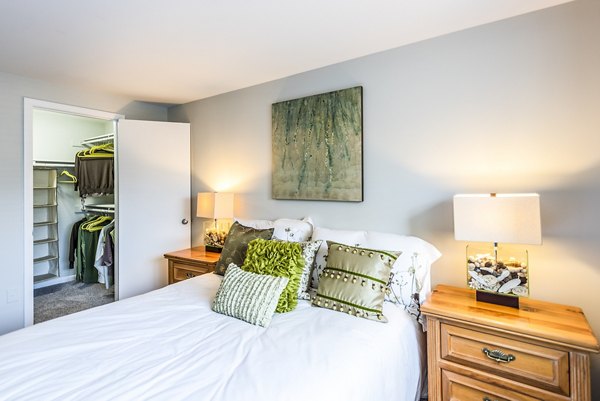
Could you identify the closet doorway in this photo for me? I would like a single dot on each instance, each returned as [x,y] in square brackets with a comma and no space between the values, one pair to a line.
[150,202]
[73,219]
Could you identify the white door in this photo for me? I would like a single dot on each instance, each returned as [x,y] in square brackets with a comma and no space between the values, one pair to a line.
[153,201]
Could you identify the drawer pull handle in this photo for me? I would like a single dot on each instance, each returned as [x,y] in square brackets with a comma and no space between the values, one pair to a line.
[488,399]
[190,275]
[498,355]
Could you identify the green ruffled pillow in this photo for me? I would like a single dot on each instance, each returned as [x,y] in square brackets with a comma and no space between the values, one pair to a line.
[278,259]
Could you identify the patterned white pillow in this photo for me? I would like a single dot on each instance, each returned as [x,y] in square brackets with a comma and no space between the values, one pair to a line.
[410,280]
[309,253]
[248,296]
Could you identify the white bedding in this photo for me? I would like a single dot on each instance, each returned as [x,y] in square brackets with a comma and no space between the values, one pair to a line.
[169,345]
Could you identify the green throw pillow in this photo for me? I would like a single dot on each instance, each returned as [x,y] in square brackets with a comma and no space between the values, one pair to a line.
[279,259]
[248,296]
[355,281]
[236,245]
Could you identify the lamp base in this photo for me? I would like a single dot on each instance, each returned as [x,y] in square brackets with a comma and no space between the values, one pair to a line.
[498,299]
[211,248]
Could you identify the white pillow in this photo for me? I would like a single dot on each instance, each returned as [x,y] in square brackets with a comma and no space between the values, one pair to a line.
[411,273]
[292,230]
[309,253]
[257,224]
[345,237]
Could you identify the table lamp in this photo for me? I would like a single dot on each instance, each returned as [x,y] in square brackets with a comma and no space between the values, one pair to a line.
[498,218]
[215,205]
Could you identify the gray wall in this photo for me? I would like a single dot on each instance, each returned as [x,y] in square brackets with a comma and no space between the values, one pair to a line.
[511,106]
[12,90]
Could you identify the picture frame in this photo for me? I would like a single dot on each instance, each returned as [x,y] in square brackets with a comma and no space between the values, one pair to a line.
[317,147]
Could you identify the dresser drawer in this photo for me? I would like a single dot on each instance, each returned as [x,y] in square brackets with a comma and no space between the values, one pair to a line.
[183,271]
[456,387]
[195,266]
[527,363]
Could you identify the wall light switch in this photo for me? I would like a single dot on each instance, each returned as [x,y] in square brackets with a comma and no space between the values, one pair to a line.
[12,296]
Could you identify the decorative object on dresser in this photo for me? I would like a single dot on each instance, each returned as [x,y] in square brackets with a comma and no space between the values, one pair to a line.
[191,262]
[494,218]
[215,205]
[482,351]
[317,147]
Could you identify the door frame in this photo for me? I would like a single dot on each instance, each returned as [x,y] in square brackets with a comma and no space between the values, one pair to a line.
[29,105]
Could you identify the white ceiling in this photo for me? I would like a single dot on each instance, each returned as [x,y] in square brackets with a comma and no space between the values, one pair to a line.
[176,51]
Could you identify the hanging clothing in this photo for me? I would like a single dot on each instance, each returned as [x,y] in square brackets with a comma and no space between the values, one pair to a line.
[101,263]
[94,169]
[107,257]
[73,242]
[87,243]
[95,176]
[109,249]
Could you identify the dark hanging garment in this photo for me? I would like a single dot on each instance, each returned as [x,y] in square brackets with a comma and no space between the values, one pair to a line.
[95,175]
[86,253]
[73,242]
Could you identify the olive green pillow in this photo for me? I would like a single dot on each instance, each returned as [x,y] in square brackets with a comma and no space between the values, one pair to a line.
[236,245]
[355,281]
[279,259]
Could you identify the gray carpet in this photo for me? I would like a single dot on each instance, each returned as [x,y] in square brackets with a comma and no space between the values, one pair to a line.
[64,299]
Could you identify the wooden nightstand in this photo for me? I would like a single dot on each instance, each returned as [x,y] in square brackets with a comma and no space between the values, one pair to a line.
[480,351]
[191,262]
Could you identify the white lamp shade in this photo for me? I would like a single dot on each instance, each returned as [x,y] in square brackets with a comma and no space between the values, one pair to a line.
[215,205]
[506,218]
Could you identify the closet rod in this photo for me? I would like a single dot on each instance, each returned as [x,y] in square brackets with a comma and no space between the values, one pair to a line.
[99,208]
[51,164]
[99,211]
[98,139]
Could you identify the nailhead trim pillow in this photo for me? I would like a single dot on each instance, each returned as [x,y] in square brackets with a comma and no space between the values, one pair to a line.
[280,259]
[248,296]
[355,281]
[236,245]
[349,237]
[410,280]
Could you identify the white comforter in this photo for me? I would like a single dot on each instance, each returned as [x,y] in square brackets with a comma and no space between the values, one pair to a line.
[169,345]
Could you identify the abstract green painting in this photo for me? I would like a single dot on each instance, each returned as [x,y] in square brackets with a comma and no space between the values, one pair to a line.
[317,147]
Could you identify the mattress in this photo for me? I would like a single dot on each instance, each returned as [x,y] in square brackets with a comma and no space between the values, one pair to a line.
[169,345]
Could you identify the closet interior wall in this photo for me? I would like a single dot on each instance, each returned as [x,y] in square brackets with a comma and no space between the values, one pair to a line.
[57,137]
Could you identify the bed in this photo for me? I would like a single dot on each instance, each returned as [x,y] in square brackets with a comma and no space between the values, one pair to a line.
[169,345]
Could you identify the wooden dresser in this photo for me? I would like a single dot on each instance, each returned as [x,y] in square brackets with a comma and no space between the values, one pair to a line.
[191,262]
[486,352]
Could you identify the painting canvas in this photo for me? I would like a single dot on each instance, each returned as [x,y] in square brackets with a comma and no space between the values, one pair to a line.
[317,147]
